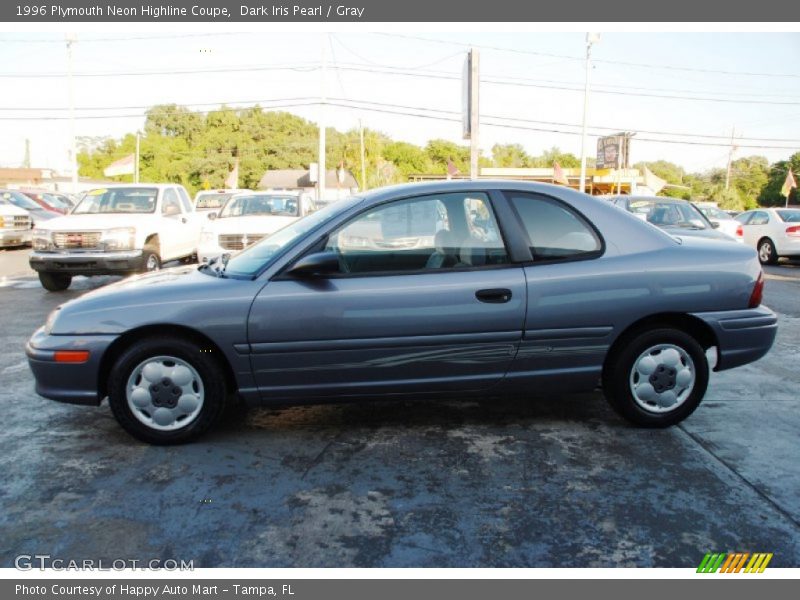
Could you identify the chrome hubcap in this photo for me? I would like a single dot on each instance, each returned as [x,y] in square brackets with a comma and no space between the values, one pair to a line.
[152,263]
[765,251]
[165,393]
[662,378]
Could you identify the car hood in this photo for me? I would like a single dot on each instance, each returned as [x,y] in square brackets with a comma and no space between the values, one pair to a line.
[260,225]
[162,297]
[11,210]
[96,221]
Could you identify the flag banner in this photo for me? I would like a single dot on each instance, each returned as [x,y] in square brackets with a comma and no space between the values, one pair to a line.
[558,175]
[232,181]
[123,166]
[788,184]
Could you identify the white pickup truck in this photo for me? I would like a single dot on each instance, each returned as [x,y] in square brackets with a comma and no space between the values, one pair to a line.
[15,225]
[118,229]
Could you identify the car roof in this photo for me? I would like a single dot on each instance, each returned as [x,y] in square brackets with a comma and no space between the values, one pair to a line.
[112,186]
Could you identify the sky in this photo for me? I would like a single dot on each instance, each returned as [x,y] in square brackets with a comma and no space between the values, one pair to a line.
[682,86]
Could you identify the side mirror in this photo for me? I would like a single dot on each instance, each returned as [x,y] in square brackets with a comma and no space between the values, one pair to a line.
[212,215]
[715,224]
[319,263]
[171,210]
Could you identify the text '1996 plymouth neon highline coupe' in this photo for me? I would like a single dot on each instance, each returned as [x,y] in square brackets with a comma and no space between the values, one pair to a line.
[421,290]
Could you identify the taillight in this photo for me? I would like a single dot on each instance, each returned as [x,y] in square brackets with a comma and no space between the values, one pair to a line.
[758,292]
[794,231]
[739,231]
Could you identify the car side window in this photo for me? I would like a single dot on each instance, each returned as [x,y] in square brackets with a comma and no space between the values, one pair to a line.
[554,230]
[759,218]
[169,204]
[446,231]
[183,195]
[744,218]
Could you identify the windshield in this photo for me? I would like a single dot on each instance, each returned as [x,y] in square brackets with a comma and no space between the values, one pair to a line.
[55,201]
[250,261]
[668,214]
[212,199]
[712,212]
[261,204]
[789,216]
[118,200]
[20,200]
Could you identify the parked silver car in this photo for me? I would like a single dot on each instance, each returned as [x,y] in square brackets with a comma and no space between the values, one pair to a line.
[461,289]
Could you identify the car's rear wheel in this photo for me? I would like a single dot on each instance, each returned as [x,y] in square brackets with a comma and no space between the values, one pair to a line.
[54,282]
[166,390]
[766,252]
[656,378]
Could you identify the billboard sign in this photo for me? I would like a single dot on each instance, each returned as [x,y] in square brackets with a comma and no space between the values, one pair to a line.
[613,152]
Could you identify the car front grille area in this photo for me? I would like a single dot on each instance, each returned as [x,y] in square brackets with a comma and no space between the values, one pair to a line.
[76,239]
[17,222]
[238,241]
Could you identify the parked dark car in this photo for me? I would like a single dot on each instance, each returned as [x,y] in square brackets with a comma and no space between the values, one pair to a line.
[37,213]
[675,216]
[462,289]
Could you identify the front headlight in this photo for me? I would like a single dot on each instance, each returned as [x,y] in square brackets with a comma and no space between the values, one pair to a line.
[2,222]
[120,238]
[41,239]
[208,237]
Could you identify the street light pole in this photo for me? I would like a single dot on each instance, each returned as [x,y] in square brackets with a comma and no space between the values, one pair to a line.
[591,38]
[322,169]
[71,39]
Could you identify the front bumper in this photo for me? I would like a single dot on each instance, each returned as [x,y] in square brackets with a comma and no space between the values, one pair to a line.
[744,336]
[14,237]
[88,263]
[75,383]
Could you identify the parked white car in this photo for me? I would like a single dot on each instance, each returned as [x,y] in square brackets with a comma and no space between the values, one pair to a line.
[726,223]
[773,232]
[15,225]
[208,201]
[248,217]
[118,229]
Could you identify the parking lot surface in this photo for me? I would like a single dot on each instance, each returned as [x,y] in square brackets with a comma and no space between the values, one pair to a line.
[504,482]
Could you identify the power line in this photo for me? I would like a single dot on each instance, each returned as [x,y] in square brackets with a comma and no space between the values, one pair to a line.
[604,61]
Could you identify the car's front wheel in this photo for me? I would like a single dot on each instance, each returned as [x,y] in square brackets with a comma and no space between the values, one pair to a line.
[166,390]
[54,282]
[656,378]
[766,252]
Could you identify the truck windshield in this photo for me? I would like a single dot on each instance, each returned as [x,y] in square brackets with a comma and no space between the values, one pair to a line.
[262,205]
[250,261]
[118,200]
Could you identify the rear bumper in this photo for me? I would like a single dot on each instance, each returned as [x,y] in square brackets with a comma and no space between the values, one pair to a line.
[14,237]
[87,263]
[744,336]
[788,246]
[75,383]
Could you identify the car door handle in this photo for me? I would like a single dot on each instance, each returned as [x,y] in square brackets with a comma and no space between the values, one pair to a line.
[494,295]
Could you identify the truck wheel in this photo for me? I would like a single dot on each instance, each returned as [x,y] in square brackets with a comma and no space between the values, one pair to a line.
[165,390]
[151,261]
[656,378]
[54,282]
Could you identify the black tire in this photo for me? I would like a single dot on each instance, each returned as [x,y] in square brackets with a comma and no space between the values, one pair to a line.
[151,260]
[207,367]
[54,282]
[620,365]
[766,252]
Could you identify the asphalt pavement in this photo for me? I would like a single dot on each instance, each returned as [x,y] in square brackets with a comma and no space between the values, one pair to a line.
[505,482]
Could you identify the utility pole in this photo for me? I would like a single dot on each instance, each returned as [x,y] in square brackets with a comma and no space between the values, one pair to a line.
[474,91]
[71,39]
[730,160]
[322,170]
[363,163]
[591,38]
[26,161]
[136,160]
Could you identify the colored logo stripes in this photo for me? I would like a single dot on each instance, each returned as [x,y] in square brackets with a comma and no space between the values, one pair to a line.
[734,562]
